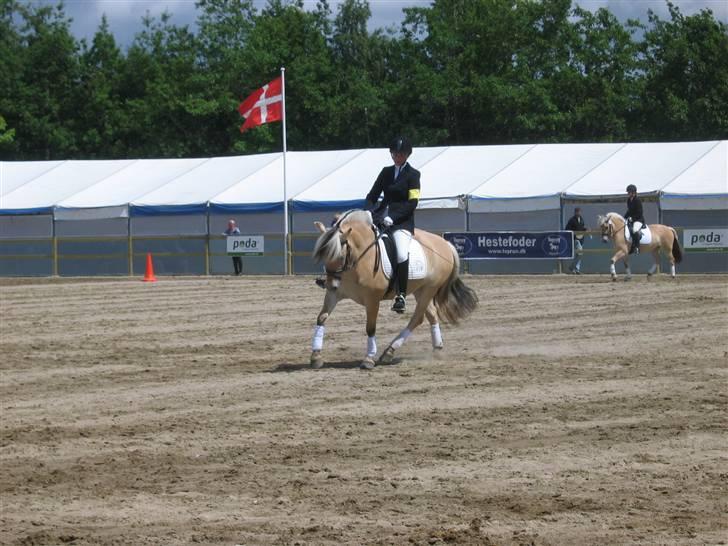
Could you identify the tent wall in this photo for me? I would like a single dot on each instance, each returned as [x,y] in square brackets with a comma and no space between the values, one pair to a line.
[93,247]
[698,262]
[26,245]
[177,242]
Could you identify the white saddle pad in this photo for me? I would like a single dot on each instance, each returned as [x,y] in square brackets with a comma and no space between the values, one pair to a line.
[417,260]
[646,235]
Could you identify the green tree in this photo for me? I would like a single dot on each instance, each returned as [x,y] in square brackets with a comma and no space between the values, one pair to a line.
[99,108]
[685,64]
[600,95]
[42,73]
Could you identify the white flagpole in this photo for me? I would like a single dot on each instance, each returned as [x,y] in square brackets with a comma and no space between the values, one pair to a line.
[285,193]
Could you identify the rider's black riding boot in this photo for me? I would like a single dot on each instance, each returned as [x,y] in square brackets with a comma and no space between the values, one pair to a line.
[402,274]
[635,243]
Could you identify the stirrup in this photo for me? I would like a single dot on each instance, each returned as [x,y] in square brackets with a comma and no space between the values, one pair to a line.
[399,304]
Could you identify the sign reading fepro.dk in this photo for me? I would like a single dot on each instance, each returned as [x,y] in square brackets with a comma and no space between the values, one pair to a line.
[705,240]
[513,244]
[245,245]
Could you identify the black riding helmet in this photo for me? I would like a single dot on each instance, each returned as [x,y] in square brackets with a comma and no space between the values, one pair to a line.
[631,187]
[401,144]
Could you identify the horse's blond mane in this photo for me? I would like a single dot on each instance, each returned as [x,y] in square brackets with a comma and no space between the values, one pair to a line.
[328,245]
[356,215]
[601,219]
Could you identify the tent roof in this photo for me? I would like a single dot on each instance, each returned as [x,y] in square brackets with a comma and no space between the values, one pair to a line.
[650,167]
[116,191]
[44,192]
[537,178]
[494,178]
[256,192]
[14,174]
[194,189]
[703,185]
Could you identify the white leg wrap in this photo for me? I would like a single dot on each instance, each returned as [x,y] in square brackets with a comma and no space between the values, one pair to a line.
[436,335]
[672,270]
[371,346]
[612,269]
[652,269]
[318,338]
[401,338]
[628,271]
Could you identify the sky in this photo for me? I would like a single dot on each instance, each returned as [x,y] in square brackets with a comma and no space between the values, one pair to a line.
[125,16]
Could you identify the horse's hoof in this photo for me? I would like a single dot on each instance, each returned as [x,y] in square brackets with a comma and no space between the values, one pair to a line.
[437,348]
[614,279]
[627,279]
[317,360]
[387,356]
[367,364]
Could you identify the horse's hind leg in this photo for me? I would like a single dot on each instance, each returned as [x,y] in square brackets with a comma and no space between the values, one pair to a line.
[330,300]
[435,333]
[656,257]
[424,298]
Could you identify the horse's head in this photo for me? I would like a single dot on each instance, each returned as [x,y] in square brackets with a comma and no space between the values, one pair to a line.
[335,244]
[608,224]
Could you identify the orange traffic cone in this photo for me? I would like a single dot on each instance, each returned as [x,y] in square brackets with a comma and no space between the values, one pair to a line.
[149,274]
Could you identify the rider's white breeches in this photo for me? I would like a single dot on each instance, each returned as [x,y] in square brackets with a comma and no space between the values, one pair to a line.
[402,239]
[636,227]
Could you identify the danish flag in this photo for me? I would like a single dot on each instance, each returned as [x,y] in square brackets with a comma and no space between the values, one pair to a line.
[262,106]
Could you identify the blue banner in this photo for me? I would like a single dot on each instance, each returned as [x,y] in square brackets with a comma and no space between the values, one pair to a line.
[513,244]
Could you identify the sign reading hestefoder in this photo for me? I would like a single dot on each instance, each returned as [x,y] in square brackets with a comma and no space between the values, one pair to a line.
[513,244]
[705,239]
[248,245]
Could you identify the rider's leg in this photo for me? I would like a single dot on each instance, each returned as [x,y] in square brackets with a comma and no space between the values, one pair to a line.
[402,240]
[636,236]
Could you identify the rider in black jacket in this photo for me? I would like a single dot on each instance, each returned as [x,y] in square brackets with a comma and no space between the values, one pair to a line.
[400,184]
[635,217]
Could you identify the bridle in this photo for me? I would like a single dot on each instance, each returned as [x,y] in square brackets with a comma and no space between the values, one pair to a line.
[350,262]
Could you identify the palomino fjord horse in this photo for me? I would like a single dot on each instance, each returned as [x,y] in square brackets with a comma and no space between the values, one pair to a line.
[660,238]
[354,271]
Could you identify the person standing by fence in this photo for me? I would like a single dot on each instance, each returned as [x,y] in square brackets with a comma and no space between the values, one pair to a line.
[232,230]
[576,224]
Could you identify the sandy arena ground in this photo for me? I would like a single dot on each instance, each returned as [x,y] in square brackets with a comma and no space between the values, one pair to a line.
[566,411]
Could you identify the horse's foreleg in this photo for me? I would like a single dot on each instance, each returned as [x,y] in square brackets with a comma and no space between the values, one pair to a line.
[372,312]
[618,256]
[423,300]
[435,333]
[330,300]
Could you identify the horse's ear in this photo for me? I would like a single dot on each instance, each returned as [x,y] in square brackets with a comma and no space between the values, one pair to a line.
[320,226]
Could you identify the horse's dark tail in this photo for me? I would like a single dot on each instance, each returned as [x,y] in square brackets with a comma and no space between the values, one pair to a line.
[454,300]
[677,252]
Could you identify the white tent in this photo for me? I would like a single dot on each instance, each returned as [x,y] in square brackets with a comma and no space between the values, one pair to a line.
[14,174]
[704,186]
[650,166]
[42,193]
[536,180]
[171,206]
[262,190]
[110,196]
